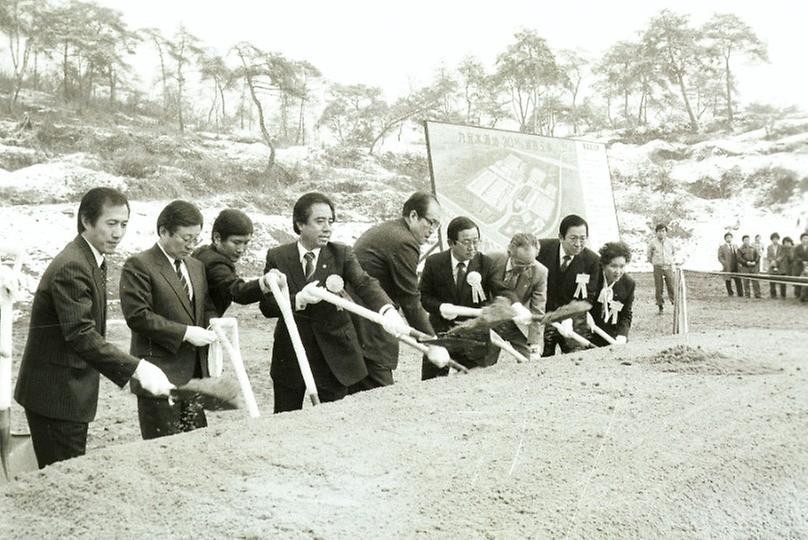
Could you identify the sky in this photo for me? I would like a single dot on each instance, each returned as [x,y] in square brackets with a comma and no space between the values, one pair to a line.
[400,45]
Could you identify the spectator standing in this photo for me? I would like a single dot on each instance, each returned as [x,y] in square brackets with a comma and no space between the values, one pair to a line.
[748,261]
[728,257]
[774,254]
[660,255]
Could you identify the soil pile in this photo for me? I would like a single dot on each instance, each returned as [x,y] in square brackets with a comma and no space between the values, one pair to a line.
[545,449]
[684,358]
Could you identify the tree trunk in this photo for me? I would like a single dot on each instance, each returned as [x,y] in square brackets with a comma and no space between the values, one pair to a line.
[729,90]
[112,85]
[261,124]
[64,72]
[694,123]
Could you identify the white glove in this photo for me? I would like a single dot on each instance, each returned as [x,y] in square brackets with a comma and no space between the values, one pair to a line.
[523,315]
[620,339]
[438,356]
[9,284]
[446,313]
[394,323]
[198,336]
[306,297]
[565,328]
[276,275]
[152,379]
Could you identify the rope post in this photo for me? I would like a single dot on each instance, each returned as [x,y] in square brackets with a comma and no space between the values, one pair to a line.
[680,322]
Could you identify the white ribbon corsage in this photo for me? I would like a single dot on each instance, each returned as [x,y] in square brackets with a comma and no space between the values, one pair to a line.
[336,285]
[615,306]
[580,291]
[475,281]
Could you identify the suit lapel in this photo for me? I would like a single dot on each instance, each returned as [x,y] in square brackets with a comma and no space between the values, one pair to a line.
[100,289]
[292,266]
[324,266]
[170,275]
[197,273]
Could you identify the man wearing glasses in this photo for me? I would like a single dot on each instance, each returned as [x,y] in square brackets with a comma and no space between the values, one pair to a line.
[390,253]
[461,276]
[573,272]
[165,301]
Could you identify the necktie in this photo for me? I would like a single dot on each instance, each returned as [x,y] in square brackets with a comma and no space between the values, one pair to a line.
[565,263]
[103,269]
[309,256]
[178,266]
[513,279]
[461,276]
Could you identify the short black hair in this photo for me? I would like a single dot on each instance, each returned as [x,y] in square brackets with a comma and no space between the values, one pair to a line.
[569,221]
[179,214]
[231,222]
[744,237]
[460,223]
[661,227]
[92,204]
[612,250]
[727,234]
[418,201]
[787,239]
[774,236]
[803,235]
[302,210]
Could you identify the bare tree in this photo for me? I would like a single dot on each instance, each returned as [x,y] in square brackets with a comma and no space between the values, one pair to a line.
[184,49]
[730,36]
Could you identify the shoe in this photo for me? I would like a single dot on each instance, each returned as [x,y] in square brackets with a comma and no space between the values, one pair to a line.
[661,309]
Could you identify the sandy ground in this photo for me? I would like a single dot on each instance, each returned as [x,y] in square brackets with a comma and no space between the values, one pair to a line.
[667,436]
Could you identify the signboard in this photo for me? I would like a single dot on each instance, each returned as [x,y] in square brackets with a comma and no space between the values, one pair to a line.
[510,182]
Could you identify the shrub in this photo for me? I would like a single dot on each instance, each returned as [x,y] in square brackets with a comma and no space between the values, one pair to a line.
[777,185]
[134,163]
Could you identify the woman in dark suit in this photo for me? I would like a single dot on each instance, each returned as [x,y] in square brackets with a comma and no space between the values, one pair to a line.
[612,309]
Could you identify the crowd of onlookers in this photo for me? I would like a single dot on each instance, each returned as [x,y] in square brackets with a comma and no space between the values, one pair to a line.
[779,258]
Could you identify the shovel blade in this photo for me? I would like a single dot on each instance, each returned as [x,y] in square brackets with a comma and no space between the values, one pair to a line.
[215,393]
[16,451]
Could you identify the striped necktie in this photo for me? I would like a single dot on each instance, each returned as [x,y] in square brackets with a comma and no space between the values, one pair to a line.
[178,266]
[309,256]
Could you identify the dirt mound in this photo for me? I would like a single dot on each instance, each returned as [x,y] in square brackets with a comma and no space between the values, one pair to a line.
[684,358]
[545,449]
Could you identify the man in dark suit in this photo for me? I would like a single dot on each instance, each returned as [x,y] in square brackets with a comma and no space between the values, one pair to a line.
[572,274]
[232,233]
[775,255]
[527,278]
[390,253]
[328,335]
[461,276]
[728,257]
[66,350]
[165,301]
[748,263]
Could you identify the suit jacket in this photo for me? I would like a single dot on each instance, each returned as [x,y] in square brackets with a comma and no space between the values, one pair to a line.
[322,326]
[798,255]
[66,349]
[438,286]
[748,255]
[390,252]
[561,285]
[224,285]
[623,292]
[158,311]
[775,254]
[728,257]
[530,290]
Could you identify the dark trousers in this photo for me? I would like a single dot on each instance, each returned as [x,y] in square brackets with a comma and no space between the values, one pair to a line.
[289,397]
[378,376]
[738,286]
[56,440]
[755,283]
[773,289]
[663,273]
[159,418]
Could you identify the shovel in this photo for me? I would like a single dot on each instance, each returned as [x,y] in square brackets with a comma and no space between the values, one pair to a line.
[280,290]
[214,393]
[16,451]
[372,316]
